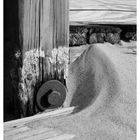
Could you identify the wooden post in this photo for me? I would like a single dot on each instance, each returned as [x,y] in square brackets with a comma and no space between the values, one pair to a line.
[44,28]
[54,34]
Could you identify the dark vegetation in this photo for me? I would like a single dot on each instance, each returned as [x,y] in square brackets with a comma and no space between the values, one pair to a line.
[81,35]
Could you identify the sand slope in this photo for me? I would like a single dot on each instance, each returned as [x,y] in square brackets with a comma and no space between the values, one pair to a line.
[102,84]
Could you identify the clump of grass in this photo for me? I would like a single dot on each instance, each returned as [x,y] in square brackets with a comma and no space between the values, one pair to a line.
[131,36]
[78,36]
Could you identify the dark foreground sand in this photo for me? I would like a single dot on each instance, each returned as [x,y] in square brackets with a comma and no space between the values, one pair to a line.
[102,84]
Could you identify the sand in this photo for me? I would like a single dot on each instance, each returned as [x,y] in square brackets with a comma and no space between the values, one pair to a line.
[102,84]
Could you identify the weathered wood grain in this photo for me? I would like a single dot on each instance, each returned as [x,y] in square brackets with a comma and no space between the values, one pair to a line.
[44,28]
[124,5]
[62,137]
[16,131]
[31,128]
[32,134]
[54,32]
[19,122]
[102,12]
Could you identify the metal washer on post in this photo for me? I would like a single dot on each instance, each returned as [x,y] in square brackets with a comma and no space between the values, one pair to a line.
[52,93]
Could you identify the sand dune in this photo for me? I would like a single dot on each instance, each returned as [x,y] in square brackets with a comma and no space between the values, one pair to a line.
[102,84]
